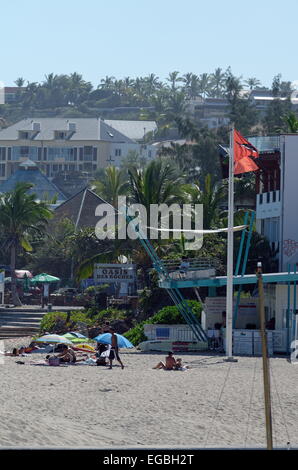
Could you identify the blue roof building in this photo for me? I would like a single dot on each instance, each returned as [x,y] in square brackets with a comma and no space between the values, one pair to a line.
[28,172]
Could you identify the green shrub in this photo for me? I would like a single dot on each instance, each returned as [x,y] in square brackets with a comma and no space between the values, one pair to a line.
[170,315]
[136,334]
[50,319]
[110,314]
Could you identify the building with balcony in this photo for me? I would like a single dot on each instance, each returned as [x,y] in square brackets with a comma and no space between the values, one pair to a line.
[65,146]
[277,194]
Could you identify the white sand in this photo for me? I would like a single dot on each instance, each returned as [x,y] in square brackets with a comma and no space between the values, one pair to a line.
[213,404]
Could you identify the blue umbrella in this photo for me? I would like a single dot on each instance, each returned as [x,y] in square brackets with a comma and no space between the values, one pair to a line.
[106,338]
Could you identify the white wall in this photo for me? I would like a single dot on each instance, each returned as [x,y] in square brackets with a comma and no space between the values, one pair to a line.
[289,199]
[277,303]
[147,151]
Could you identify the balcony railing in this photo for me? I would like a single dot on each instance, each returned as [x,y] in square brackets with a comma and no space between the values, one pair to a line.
[268,198]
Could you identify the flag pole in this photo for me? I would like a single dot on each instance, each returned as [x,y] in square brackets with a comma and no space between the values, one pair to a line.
[230,254]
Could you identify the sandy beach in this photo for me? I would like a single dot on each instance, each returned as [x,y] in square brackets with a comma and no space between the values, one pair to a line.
[213,404]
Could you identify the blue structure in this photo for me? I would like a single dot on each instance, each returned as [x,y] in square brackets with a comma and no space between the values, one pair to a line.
[43,188]
[174,286]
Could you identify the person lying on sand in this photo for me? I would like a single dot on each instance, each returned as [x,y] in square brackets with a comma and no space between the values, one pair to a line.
[170,363]
[67,355]
[21,350]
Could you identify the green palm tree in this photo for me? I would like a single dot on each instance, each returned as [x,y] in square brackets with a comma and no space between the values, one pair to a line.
[211,196]
[173,79]
[158,183]
[252,83]
[217,82]
[112,185]
[291,121]
[107,83]
[20,217]
[20,82]
[204,84]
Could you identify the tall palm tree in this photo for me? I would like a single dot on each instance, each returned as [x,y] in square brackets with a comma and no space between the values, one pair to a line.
[211,196]
[112,185]
[158,183]
[252,83]
[20,82]
[107,83]
[20,217]
[78,89]
[152,83]
[217,82]
[204,84]
[192,84]
[291,122]
[173,78]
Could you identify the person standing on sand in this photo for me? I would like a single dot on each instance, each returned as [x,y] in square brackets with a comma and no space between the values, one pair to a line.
[114,352]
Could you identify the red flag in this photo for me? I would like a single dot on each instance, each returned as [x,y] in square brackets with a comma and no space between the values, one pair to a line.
[244,153]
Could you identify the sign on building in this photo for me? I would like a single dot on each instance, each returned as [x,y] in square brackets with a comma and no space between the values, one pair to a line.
[247,311]
[121,276]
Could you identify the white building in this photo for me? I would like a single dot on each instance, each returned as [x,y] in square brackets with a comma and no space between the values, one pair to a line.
[277,195]
[59,145]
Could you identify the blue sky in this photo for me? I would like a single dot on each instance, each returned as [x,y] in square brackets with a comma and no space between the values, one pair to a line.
[134,38]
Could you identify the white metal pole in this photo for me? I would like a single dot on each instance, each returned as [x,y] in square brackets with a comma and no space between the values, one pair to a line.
[230,252]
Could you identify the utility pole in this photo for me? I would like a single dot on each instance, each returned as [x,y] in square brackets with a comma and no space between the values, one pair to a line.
[266,369]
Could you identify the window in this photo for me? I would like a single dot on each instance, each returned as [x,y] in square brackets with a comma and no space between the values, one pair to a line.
[88,153]
[9,153]
[261,198]
[45,154]
[117,152]
[2,153]
[24,135]
[24,152]
[65,153]
[39,150]
[2,169]
[60,135]
[162,333]
[81,154]
[95,154]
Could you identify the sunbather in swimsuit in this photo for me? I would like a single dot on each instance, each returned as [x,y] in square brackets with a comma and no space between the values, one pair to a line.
[170,363]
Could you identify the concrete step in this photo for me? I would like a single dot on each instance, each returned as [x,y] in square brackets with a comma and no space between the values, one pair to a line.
[17,333]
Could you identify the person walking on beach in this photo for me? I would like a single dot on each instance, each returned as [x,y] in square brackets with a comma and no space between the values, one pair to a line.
[170,363]
[114,352]
[45,295]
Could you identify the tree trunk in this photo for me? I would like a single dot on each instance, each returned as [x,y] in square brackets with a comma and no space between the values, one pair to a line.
[14,293]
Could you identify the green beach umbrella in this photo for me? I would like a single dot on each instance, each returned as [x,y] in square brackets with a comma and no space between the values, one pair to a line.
[45,278]
[75,339]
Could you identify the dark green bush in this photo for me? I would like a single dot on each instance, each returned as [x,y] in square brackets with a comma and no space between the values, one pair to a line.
[50,319]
